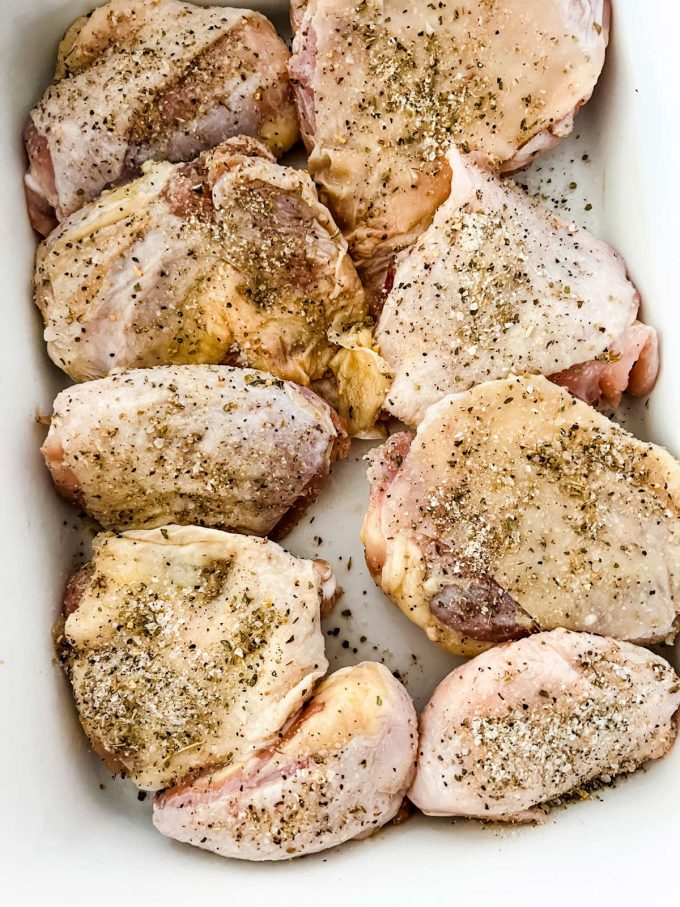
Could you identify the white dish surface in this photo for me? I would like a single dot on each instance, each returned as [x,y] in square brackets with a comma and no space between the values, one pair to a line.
[69,830]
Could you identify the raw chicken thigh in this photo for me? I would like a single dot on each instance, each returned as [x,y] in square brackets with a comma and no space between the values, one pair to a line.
[384,88]
[187,646]
[213,445]
[151,79]
[542,719]
[517,508]
[339,771]
[229,258]
[496,285]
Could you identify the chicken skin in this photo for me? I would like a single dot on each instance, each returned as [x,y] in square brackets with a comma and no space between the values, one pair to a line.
[195,444]
[186,647]
[497,284]
[151,79]
[230,258]
[541,719]
[517,508]
[384,89]
[339,771]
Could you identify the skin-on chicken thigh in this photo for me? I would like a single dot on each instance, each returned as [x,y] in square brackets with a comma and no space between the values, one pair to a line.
[230,258]
[193,444]
[497,284]
[339,771]
[188,647]
[541,719]
[517,508]
[384,88]
[151,79]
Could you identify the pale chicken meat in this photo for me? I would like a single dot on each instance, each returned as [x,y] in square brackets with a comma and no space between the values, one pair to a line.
[517,508]
[211,445]
[151,79]
[498,284]
[339,771]
[230,258]
[384,88]
[540,721]
[186,647]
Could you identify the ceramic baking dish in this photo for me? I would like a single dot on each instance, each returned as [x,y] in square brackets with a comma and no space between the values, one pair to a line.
[69,833]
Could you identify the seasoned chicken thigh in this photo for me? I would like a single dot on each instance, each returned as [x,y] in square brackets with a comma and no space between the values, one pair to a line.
[338,771]
[384,88]
[212,445]
[517,508]
[151,79]
[229,258]
[496,285]
[541,719]
[186,647]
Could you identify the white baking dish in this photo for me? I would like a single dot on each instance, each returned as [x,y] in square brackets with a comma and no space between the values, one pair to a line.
[69,833]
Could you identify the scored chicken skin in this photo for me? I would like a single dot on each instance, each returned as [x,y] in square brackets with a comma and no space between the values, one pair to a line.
[497,284]
[187,646]
[384,88]
[228,258]
[540,719]
[339,771]
[151,79]
[212,445]
[518,508]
